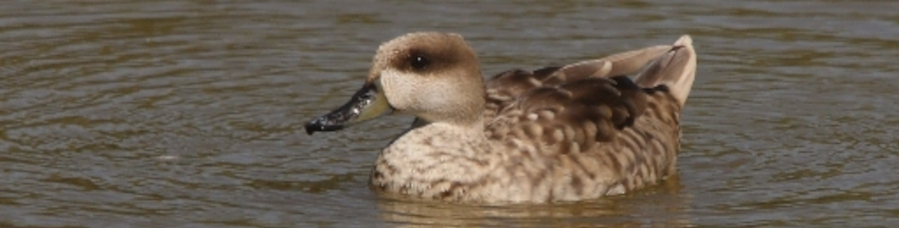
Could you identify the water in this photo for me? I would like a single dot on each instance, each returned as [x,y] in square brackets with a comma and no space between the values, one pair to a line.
[190,113]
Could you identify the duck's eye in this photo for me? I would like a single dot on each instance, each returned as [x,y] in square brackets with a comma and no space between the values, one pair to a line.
[419,62]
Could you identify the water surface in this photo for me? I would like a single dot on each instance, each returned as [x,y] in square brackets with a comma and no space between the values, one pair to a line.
[190,113]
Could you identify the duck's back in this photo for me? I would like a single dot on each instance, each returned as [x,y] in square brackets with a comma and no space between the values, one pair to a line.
[569,133]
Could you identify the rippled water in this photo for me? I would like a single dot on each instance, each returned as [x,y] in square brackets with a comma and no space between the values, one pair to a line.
[190,113]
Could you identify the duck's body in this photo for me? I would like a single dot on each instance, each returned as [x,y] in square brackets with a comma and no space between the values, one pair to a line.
[556,134]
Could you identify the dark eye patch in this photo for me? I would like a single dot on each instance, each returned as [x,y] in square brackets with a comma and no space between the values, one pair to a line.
[419,62]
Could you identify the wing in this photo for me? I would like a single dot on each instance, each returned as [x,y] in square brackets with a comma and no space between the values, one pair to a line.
[583,112]
[592,95]
[505,87]
[583,130]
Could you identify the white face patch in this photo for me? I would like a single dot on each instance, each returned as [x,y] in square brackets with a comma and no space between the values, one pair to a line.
[430,97]
[399,88]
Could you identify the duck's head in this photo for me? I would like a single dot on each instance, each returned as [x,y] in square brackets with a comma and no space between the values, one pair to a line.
[434,76]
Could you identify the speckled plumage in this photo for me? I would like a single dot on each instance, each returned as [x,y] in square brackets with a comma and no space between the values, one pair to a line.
[567,133]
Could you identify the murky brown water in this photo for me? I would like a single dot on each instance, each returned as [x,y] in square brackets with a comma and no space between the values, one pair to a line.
[190,113]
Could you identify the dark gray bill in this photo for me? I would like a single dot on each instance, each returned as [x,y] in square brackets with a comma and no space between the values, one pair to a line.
[366,104]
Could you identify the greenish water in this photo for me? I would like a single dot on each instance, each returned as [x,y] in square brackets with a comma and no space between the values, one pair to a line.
[190,113]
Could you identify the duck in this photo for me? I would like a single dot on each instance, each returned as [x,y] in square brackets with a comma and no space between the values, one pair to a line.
[575,132]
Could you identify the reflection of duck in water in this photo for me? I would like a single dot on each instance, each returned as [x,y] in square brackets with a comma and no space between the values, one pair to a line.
[556,134]
[662,205]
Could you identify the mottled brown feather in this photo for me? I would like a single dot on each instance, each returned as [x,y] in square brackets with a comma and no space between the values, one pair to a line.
[596,112]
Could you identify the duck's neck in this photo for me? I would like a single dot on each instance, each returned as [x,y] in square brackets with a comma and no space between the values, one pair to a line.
[434,154]
[439,139]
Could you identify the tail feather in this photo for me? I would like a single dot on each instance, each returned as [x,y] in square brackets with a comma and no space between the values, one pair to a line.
[675,69]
